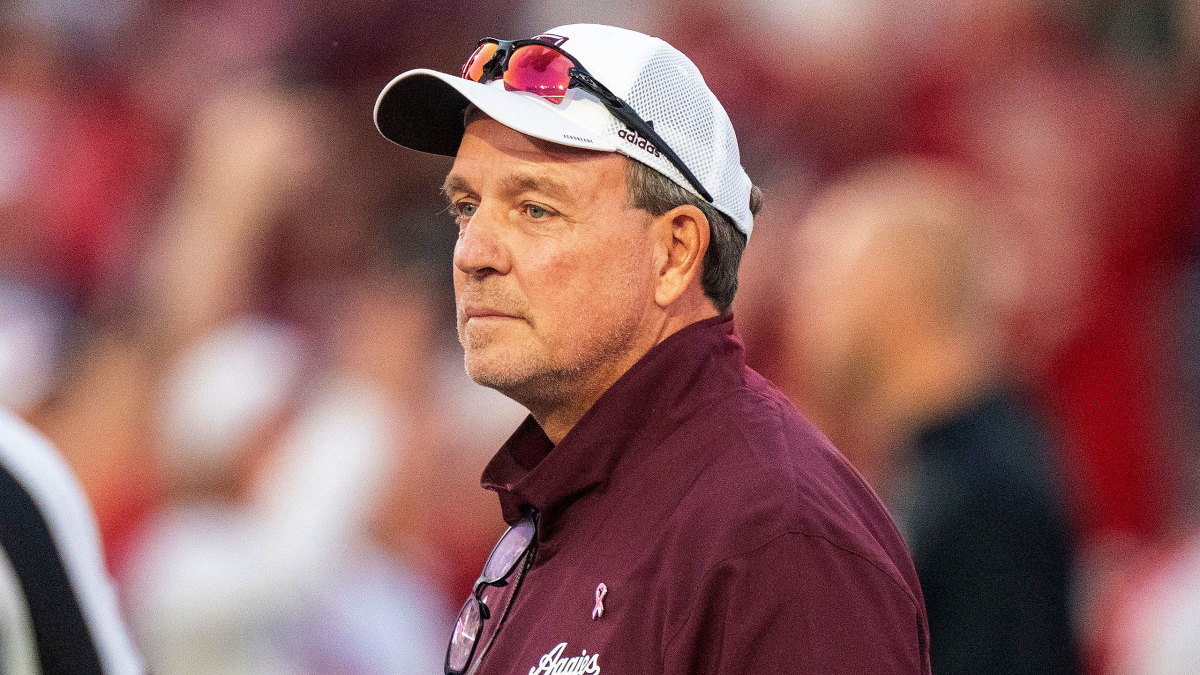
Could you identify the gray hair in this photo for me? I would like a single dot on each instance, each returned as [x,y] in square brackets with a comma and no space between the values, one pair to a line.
[653,192]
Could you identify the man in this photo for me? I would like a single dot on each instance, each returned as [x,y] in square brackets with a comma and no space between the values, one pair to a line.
[671,511]
[901,351]
[58,611]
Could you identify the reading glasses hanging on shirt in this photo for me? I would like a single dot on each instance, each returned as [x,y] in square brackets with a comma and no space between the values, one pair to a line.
[494,590]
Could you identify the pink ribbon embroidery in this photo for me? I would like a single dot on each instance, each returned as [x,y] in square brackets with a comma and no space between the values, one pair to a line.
[598,610]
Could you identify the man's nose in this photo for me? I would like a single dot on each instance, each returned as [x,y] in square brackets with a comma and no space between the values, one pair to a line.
[480,250]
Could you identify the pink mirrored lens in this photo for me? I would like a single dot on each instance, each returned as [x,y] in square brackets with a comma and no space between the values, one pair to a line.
[539,70]
[473,70]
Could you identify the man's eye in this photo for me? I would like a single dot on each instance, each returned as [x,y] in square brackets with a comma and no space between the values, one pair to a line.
[536,211]
[465,209]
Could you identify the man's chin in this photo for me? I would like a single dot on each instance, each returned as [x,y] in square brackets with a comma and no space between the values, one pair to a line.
[522,384]
[496,373]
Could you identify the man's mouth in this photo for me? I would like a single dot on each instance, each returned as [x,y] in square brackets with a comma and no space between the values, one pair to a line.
[484,312]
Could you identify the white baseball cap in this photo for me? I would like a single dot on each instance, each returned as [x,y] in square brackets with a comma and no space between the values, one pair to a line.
[423,109]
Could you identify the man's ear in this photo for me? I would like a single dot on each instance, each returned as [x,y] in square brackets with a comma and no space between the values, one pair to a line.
[683,238]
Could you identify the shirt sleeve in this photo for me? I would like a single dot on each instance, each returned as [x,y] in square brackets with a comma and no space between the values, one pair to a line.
[799,604]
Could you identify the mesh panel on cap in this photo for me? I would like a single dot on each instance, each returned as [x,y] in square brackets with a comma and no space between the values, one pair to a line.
[670,92]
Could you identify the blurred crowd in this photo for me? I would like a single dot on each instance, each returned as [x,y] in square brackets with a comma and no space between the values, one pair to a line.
[227,300]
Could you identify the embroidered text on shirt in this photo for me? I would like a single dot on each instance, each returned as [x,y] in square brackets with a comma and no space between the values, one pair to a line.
[553,663]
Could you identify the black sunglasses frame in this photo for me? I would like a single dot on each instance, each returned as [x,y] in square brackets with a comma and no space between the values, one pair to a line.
[580,77]
[523,562]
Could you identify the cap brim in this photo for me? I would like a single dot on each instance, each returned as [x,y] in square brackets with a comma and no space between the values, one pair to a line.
[423,110]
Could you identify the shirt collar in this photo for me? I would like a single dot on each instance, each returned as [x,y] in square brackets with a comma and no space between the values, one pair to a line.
[636,413]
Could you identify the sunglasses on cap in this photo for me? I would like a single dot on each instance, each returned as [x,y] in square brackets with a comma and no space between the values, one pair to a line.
[547,71]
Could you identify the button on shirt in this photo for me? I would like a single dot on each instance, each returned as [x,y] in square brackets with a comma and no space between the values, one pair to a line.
[730,536]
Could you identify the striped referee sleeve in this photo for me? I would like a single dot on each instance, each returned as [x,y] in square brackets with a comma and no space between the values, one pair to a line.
[58,610]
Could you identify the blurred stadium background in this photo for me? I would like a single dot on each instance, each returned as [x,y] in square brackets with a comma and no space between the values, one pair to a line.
[227,300]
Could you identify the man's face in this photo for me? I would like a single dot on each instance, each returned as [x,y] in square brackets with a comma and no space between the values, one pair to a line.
[553,270]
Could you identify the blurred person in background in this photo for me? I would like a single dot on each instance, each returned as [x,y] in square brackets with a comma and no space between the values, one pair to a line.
[670,509]
[263,560]
[276,434]
[58,608]
[899,347]
[1092,157]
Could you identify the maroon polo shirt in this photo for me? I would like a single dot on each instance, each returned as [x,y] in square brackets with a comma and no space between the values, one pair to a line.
[730,534]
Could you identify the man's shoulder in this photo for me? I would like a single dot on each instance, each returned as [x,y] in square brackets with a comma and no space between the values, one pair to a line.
[755,447]
[777,526]
[767,471]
